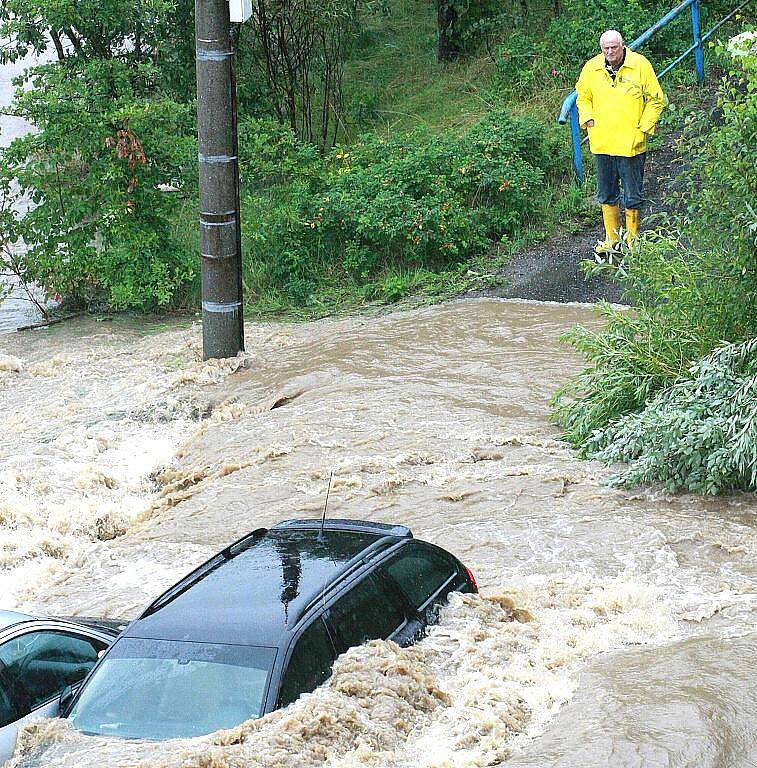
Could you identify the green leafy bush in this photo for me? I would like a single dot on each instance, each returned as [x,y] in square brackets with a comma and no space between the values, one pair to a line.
[573,36]
[484,20]
[685,303]
[102,228]
[416,201]
[425,198]
[519,61]
[724,168]
[111,166]
[700,434]
[532,37]
[271,155]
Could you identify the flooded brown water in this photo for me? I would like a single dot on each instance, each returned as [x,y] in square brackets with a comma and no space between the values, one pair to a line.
[615,628]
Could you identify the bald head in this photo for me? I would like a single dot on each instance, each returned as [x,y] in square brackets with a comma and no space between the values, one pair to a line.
[613,47]
[609,35]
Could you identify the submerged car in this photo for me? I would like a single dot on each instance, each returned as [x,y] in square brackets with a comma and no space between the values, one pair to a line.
[39,658]
[261,623]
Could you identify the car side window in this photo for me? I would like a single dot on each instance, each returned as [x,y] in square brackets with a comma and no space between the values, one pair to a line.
[369,611]
[37,666]
[7,711]
[310,663]
[419,573]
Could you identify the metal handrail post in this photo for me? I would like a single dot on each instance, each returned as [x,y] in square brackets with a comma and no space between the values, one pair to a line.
[698,52]
[575,130]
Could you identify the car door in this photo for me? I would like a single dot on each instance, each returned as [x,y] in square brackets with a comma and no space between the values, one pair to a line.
[9,732]
[369,610]
[35,667]
[425,576]
[8,717]
[309,663]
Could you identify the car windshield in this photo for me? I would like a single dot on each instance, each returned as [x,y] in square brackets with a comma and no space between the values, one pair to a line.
[156,689]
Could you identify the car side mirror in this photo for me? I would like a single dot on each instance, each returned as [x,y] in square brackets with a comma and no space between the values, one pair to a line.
[67,699]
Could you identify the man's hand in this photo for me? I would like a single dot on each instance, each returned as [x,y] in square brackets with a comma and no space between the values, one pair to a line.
[589,124]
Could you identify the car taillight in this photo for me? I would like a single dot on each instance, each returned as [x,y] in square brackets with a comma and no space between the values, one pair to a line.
[472,579]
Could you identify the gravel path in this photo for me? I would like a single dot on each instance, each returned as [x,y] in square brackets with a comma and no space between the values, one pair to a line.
[551,271]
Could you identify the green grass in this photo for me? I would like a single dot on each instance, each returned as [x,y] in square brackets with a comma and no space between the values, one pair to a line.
[395,83]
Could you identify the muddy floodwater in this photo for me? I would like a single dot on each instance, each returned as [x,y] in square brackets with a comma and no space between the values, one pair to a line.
[615,628]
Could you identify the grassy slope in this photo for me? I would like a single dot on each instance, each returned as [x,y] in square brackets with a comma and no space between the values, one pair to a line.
[395,74]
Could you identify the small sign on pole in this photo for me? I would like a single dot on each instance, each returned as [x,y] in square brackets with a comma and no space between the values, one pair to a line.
[240,10]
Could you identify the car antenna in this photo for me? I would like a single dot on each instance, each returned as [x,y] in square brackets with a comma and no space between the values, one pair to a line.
[325,506]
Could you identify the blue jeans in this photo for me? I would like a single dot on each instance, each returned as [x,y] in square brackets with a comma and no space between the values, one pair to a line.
[612,171]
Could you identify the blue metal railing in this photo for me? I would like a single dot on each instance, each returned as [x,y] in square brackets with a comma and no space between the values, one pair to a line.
[569,109]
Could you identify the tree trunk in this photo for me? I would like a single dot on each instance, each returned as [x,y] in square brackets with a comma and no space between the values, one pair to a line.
[58,45]
[446,16]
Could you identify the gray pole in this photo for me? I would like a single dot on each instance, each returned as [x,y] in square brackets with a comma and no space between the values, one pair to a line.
[220,249]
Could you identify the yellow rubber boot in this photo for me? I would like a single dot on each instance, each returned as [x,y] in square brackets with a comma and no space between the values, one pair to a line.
[611,218]
[632,226]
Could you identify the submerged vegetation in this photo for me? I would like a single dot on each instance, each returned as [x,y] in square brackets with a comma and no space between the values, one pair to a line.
[699,434]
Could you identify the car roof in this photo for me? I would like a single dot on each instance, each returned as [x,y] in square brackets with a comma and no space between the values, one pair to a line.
[110,627]
[256,590]
[9,618]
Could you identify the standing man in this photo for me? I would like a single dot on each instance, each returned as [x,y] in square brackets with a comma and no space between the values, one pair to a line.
[619,103]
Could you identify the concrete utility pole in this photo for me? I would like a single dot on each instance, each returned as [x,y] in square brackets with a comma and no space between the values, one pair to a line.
[220,241]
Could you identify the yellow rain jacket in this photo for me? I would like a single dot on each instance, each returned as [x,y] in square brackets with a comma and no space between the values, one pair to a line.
[624,111]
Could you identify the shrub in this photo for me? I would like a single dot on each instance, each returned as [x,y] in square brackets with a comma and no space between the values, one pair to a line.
[430,199]
[700,434]
[531,36]
[271,155]
[686,302]
[574,34]
[724,168]
[416,201]
[102,228]
[519,61]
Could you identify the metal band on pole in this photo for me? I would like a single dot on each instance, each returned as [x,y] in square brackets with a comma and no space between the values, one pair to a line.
[220,249]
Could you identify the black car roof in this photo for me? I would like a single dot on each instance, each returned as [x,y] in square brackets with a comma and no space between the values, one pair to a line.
[258,588]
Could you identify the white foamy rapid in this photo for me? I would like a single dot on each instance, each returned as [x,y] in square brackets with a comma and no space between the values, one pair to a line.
[85,429]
